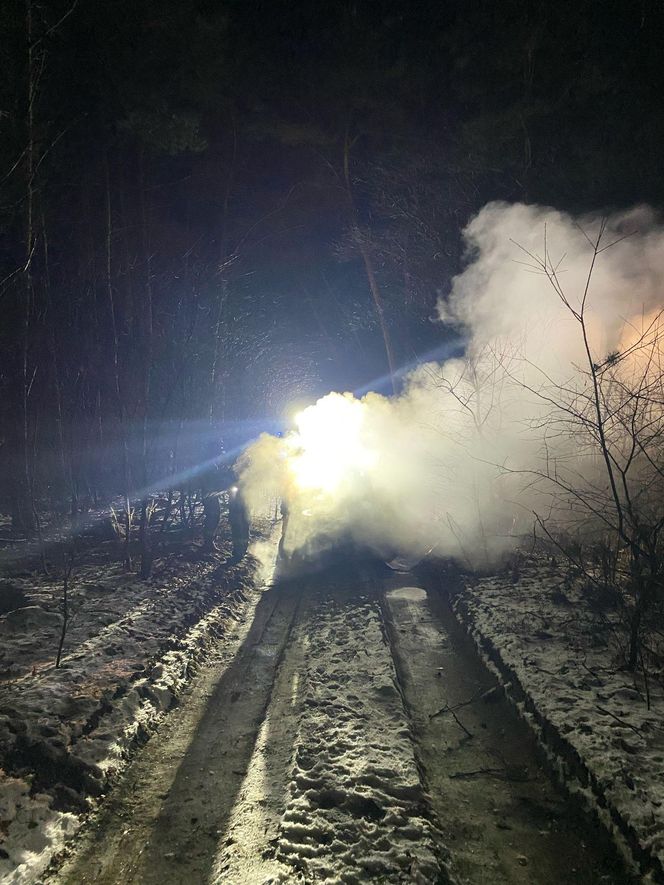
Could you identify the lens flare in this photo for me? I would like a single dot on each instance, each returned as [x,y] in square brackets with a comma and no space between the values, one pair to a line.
[329,448]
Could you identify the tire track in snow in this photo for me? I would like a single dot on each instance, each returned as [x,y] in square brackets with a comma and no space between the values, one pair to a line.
[354,810]
[163,825]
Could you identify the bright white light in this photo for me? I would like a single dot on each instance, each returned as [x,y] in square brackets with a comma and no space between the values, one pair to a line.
[328,446]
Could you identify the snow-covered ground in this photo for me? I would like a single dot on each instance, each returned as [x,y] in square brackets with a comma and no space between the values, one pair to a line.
[560,658]
[333,787]
[325,748]
[351,807]
[130,650]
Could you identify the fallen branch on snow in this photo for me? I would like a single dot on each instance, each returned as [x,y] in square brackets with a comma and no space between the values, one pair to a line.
[487,695]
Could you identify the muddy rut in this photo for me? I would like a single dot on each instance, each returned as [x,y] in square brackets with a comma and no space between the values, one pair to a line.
[352,736]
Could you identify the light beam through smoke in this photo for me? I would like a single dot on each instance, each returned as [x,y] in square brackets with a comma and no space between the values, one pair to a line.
[460,459]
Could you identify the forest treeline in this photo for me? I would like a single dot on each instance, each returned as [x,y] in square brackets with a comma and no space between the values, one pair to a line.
[208,209]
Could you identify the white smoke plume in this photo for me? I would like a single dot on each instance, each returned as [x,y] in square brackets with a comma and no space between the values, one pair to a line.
[456,461]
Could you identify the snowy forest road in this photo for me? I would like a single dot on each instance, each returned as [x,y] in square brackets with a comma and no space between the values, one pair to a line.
[353,737]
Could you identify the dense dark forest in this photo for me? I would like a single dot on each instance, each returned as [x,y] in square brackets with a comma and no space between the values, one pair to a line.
[211,209]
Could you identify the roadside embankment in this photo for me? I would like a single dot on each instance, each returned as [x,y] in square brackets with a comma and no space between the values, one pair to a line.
[131,651]
[600,726]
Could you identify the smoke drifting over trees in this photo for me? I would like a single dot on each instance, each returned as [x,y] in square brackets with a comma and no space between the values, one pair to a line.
[478,449]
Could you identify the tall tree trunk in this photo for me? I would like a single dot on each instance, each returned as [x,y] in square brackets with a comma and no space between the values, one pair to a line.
[217,401]
[66,478]
[146,350]
[23,515]
[361,244]
[124,442]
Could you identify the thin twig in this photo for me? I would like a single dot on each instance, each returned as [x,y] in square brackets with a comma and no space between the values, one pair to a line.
[68,566]
[480,696]
[618,719]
